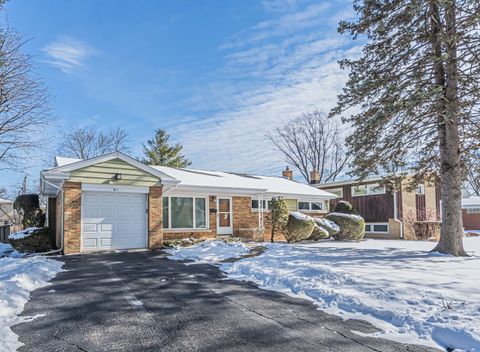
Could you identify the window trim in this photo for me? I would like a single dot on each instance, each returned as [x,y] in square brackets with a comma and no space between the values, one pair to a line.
[267,202]
[335,189]
[473,211]
[372,225]
[369,187]
[310,210]
[186,229]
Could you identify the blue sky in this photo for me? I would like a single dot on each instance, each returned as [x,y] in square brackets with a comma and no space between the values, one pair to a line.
[217,75]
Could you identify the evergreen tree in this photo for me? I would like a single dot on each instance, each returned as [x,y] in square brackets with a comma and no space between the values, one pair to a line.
[415,90]
[278,215]
[158,152]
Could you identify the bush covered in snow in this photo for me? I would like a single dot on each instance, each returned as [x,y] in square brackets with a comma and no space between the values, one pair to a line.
[318,233]
[352,227]
[32,240]
[345,207]
[328,225]
[182,242]
[299,227]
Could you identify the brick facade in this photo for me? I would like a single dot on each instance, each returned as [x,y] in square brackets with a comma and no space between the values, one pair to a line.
[470,221]
[155,213]
[72,205]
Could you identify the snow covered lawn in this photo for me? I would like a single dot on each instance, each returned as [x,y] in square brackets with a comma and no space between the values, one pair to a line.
[414,296]
[18,277]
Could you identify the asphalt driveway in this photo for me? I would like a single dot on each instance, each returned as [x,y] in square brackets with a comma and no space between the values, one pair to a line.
[141,301]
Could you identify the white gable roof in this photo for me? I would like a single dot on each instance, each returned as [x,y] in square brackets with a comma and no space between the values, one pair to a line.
[62,161]
[201,179]
[5,201]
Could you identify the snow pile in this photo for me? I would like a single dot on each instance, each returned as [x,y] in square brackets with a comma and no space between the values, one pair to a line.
[5,248]
[24,233]
[348,216]
[413,295]
[300,216]
[18,277]
[209,251]
[327,223]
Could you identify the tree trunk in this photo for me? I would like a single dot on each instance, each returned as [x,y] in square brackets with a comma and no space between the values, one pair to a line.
[451,233]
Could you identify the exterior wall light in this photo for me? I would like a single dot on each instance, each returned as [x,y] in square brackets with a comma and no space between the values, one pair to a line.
[117,177]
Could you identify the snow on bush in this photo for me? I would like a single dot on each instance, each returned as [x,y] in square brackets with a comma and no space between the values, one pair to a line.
[22,234]
[18,277]
[413,295]
[209,251]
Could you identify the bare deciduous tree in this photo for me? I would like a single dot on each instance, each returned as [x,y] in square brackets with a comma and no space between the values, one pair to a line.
[472,181]
[24,111]
[87,142]
[313,142]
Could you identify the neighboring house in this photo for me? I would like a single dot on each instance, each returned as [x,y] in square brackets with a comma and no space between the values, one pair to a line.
[116,202]
[388,213]
[6,211]
[471,213]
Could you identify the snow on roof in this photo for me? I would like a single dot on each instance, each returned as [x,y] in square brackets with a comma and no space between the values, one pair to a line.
[5,201]
[194,179]
[62,161]
[262,184]
[471,202]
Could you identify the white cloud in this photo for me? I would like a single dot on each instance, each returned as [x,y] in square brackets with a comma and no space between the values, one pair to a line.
[67,54]
[264,85]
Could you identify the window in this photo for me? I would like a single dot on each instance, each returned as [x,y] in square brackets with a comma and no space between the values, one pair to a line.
[366,190]
[310,206]
[376,228]
[473,210]
[166,218]
[337,191]
[265,204]
[184,213]
[420,189]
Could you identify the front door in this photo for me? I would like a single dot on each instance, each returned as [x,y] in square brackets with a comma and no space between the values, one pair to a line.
[224,216]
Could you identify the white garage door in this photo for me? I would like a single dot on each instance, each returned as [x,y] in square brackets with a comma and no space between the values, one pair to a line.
[113,221]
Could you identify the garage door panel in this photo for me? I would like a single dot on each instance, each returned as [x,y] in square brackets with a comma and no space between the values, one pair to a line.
[89,227]
[107,212]
[123,212]
[106,227]
[113,221]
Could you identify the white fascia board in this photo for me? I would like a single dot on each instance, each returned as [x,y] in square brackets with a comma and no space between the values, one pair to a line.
[305,197]
[89,187]
[212,190]
[165,179]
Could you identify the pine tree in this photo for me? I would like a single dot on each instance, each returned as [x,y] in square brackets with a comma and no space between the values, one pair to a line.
[415,91]
[278,215]
[159,152]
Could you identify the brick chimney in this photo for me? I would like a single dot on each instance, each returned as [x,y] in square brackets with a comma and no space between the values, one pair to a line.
[287,173]
[314,177]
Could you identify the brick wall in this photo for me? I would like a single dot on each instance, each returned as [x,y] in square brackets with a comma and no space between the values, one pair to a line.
[155,213]
[72,217]
[470,221]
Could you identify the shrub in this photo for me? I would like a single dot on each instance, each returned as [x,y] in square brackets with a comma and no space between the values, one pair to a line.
[352,227]
[328,225]
[299,227]
[28,206]
[32,240]
[345,208]
[319,233]
[278,215]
